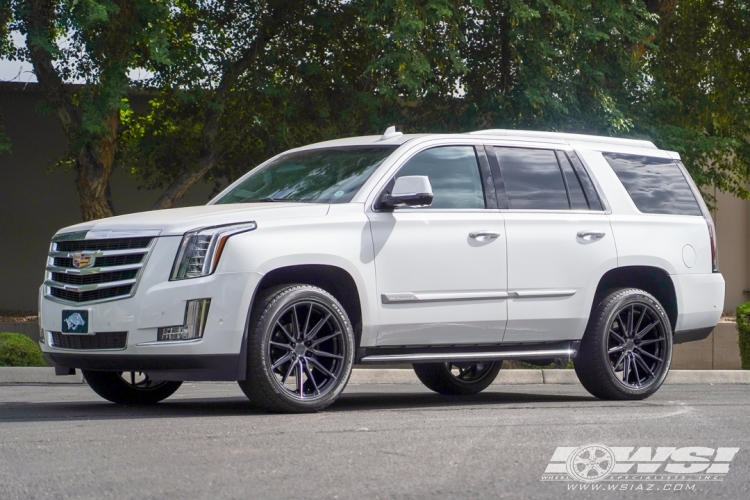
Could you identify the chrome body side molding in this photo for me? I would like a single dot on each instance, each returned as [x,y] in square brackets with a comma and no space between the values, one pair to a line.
[410,297]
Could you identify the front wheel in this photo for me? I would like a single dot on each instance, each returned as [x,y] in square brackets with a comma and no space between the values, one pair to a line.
[456,378]
[300,350]
[626,349]
[129,388]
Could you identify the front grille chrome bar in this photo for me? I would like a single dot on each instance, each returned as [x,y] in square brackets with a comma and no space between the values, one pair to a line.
[92,270]
[88,288]
[97,266]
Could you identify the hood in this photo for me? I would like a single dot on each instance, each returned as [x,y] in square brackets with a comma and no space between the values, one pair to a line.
[177,221]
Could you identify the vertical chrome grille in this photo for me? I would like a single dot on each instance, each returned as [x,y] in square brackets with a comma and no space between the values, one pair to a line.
[84,270]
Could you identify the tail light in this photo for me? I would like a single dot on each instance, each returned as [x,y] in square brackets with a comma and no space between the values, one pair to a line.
[706,215]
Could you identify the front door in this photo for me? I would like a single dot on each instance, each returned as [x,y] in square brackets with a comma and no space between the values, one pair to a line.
[560,243]
[441,274]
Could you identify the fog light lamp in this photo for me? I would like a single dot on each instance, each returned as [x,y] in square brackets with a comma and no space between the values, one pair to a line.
[196,314]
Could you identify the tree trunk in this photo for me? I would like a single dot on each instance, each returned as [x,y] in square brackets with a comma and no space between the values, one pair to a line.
[94,164]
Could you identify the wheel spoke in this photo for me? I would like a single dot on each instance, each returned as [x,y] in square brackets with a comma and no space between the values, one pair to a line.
[639,360]
[281,346]
[325,354]
[295,323]
[283,329]
[288,372]
[307,322]
[635,369]
[311,379]
[327,337]
[299,378]
[282,360]
[651,341]
[618,348]
[617,336]
[630,320]
[316,329]
[642,351]
[640,320]
[322,368]
[643,332]
[622,324]
[626,369]
[619,360]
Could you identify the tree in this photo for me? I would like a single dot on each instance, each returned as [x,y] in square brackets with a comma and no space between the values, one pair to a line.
[699,101]
[97,42]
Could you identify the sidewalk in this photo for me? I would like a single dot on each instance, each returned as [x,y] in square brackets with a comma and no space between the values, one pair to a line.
[406,376]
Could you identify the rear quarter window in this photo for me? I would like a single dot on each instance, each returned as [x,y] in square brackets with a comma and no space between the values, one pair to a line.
[656,185]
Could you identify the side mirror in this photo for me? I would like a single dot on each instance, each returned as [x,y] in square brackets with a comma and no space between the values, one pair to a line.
[411,190]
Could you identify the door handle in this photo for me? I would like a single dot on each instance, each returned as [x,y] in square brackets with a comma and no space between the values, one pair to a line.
[484,234]
[592,235]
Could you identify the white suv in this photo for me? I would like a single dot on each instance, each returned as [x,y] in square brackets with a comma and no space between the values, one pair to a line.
[450,252]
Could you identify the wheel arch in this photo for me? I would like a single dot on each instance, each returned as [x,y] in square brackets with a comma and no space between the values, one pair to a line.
[653,280]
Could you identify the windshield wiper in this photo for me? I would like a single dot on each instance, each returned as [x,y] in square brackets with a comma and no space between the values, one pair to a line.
[261,200]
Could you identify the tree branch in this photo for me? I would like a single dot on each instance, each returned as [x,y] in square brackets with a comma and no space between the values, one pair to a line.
[268,29]
[39,26]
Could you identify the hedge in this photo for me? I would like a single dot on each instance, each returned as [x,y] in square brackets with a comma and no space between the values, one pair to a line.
[743,329]
[19,350]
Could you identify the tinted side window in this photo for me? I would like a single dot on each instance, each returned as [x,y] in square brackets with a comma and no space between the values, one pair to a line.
[453,173]
[588,186]
[575,191]
[532,179]
[656,185]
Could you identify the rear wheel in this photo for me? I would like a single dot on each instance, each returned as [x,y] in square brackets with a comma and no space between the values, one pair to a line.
[129,388]
[627,347]
[457,378]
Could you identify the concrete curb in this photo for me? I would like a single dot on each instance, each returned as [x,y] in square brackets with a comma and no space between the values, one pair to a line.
[406,376]
[43,375]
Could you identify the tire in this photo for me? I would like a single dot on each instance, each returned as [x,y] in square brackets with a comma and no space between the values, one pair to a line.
[300,350]
[457,379]
[140,390]
[626,349]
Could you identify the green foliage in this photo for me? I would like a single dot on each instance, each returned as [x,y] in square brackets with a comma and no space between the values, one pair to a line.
[743,329]
[19,350]
[235,82]
[699,101]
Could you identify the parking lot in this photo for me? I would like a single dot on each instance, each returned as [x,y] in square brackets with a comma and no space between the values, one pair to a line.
[377,441]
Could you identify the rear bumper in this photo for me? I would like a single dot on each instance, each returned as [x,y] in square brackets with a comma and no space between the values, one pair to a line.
[683,336]
[700,303]
[167,367]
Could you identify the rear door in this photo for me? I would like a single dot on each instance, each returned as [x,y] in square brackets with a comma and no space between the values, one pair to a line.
[559,241]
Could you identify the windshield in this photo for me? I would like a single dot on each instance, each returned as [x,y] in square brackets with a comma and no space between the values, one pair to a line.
[315,176]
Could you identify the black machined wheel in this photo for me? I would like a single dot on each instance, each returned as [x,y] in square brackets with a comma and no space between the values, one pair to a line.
[627,347]
[457,378]
[637,345]
[306,349]
[136,388]
[300,350]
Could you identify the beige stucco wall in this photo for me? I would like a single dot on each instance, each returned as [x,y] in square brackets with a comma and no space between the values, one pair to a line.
[732,218]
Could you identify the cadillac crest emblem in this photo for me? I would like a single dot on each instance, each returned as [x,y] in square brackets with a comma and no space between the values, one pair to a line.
[81,260]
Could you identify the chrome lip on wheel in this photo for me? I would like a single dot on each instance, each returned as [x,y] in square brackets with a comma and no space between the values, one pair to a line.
[637,345]
[306,350]
[469,372]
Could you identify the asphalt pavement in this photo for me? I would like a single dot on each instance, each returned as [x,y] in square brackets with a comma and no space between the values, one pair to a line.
[377,441]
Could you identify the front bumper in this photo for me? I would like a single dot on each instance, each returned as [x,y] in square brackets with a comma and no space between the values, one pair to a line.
[157,303]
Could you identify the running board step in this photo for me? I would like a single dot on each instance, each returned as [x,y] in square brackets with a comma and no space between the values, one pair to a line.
[438,357]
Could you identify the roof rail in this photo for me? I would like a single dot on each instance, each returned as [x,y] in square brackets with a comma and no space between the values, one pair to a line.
[568,137]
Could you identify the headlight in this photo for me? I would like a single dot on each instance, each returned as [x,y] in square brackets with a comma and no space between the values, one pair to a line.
[201,249]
